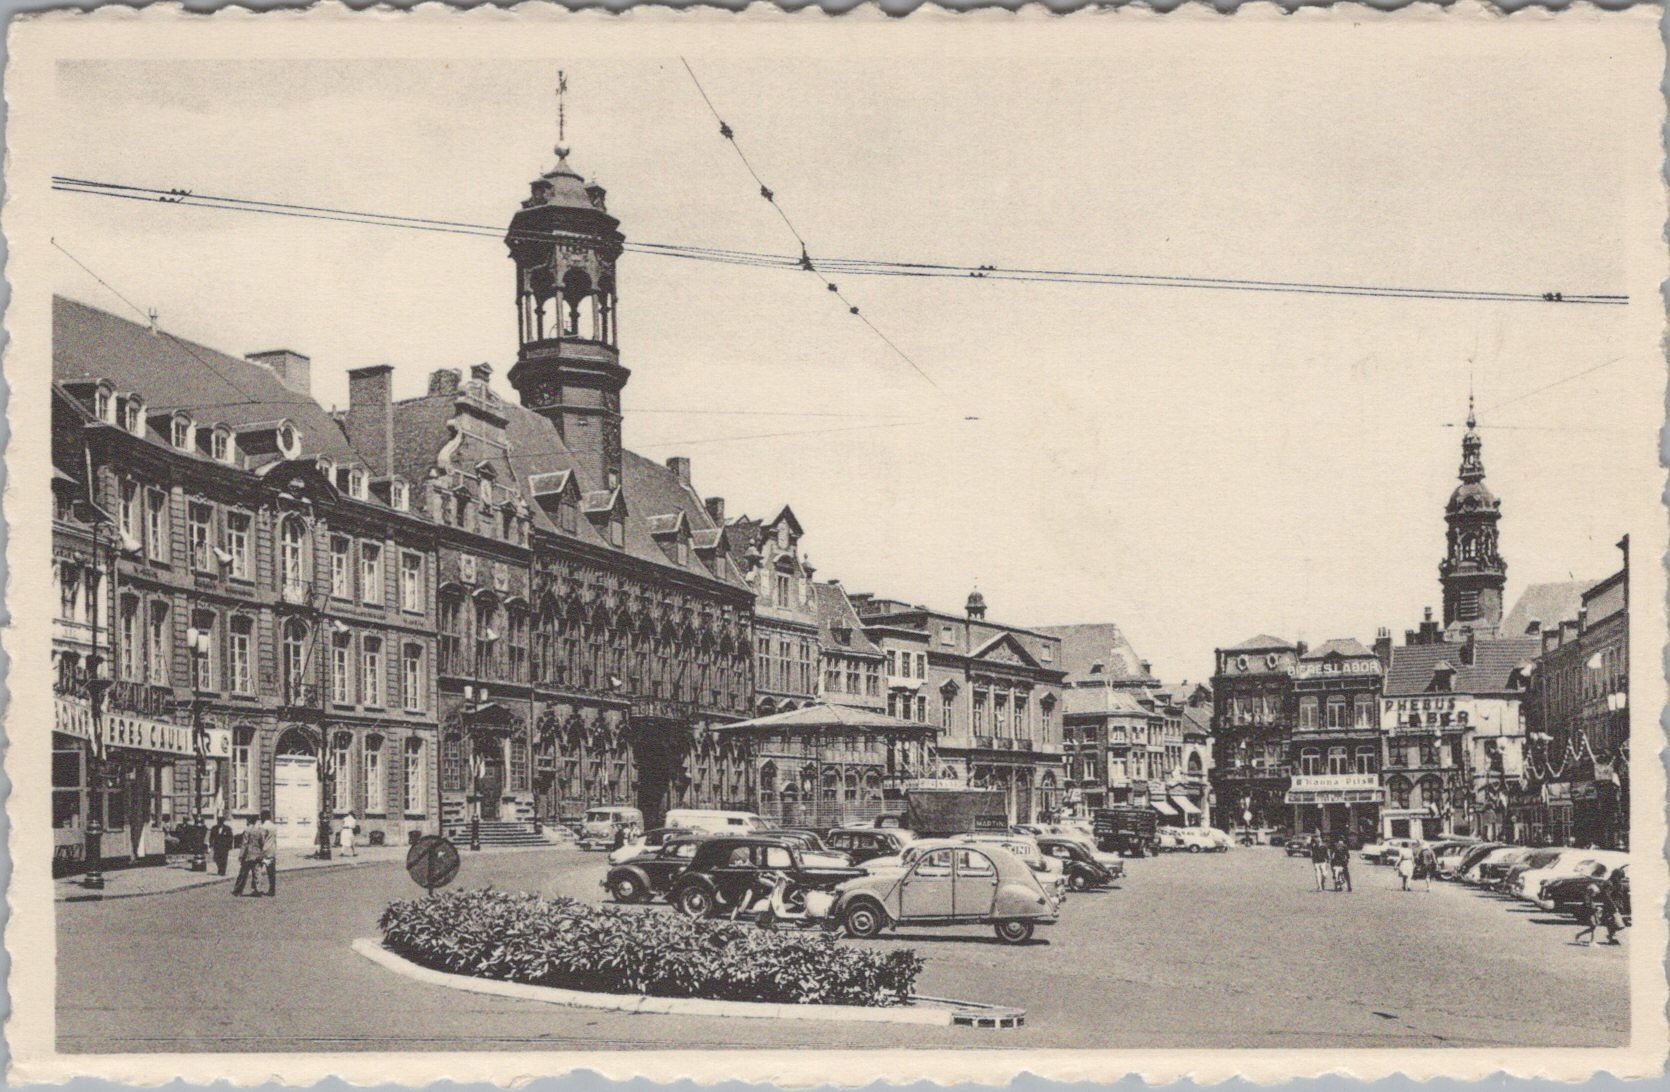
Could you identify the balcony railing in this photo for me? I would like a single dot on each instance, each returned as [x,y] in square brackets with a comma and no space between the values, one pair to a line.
[653,708]
[301,695]
[145,699]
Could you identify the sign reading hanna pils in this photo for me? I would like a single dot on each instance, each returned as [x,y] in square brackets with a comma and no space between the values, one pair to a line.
[74,717]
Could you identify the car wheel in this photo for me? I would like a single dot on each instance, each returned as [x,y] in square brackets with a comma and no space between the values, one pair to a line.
[1079,882]
[1014,932]
[627,889]
[863,919]
[1194,849]
[694,902]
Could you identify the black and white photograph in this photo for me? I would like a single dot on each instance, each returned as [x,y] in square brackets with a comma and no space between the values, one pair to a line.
[689,538]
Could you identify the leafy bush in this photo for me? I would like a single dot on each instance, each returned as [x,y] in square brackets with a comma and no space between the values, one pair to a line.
[517,937]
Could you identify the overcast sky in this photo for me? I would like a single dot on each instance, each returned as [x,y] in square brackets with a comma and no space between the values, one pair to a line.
[1196,466]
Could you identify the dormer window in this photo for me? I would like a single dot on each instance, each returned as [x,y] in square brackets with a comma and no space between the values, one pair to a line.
[133,415]
[327,468]
[289,442]
[357,480]
[220,445]
[182,433]
[104,404]
[400,496]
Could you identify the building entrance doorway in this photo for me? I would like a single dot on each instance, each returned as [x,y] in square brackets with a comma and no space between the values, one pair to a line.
[490,780]
[295,799]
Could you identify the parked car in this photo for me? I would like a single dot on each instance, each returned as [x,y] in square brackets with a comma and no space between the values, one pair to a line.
[1220,838]
[1561,888]
[1026,848]
[725,869]
[862,845]
[1387,851]
[715,822]
[652,871]
[1057,830]
[599,826]
[1200,840]
[1449,856]
[1482,870]
[949,883]
[650,840]
[1299,845]
[1461,864]
[1081,866]
[1533,861]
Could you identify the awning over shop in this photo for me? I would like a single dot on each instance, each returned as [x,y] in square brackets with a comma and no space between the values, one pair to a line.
[1334,796]
[1185,805]
[1163,807]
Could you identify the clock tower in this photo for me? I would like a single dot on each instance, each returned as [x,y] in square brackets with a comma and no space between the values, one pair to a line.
[565,246]
[1472,573]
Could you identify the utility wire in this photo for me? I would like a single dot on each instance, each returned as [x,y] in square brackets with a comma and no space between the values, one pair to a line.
[1551,386]
[854,266]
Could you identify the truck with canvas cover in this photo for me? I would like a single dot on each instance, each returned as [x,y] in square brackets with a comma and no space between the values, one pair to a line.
[940,813]
[1127,830]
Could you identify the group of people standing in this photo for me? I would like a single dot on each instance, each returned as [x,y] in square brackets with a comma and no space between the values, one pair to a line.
[257,852]
[1331,862]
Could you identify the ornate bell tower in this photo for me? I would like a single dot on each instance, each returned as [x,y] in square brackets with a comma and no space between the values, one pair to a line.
[565,245]
[1472,573]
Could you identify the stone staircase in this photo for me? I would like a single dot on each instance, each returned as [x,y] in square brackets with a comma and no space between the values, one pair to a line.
[499,832]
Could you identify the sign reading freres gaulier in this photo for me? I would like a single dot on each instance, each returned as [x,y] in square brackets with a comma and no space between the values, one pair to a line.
[74,717]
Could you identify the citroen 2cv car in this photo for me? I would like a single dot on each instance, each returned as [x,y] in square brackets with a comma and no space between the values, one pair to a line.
[948,883]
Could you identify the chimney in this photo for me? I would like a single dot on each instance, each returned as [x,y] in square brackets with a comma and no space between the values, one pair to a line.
[1533,627]
[1428,616]
[716,510]
[293,369]
[1469,650]
[1303,648]
[370,419]
[481,373]
[1383,646]
[1550,640]
[680,465]
[444,381]
[1147,669]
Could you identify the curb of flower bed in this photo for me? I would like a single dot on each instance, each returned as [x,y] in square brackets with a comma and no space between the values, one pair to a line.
[372,949]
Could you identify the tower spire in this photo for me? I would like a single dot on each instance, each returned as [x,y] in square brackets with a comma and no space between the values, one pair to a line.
[562,116]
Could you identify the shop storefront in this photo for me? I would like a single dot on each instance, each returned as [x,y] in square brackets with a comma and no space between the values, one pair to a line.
[129,794]
[1336,804]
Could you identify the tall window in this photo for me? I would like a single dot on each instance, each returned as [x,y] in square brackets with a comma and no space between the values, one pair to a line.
[891,666]
[1363,707]
[486,638]
[411,677]
[156,525]
[452,636]
[371,572]
[518,645]
[1365,760]
[295,659]
[1338,761]
[375,780]
[342,773]
[205,669]
[130,514]
[1429,752]
[239,656]
[1310,761]
[342,675]
[945,710]
[1023,717]
[1000,713]
[1044,711]
[1307,712]
[243,769]
[292,557]
[411,582]
[979,713]
[342,572]
[237,544]
[1398,790]
[160,645]
[131,656]
[202,536]
[922,708]
[371,671]
[1397,752]
[1338,717]
[921,665]
[417,777]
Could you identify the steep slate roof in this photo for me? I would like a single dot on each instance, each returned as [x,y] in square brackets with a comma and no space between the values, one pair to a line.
[1110,700]
[1494,660]
[1197,718]
[1348,647]
[214,388]
[1259,644]
[835,610]
[1085,645]
[1549,604]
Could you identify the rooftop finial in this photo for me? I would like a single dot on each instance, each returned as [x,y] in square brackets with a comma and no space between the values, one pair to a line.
[1472,422]
[562,118]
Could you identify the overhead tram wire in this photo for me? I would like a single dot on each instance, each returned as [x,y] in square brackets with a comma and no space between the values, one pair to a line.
[854,266]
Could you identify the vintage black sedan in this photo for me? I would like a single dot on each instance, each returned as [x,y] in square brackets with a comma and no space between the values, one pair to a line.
[1083,870]
[865,845]
[653,871]
[725,870]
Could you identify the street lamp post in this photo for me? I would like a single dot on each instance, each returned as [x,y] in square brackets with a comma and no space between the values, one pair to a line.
[198,642]
[471,698]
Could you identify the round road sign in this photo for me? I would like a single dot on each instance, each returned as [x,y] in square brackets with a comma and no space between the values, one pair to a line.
[432,862]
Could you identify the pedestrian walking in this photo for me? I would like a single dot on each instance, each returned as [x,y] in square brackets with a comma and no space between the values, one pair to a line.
[1589,914]
[1405,866]
[1340,858]
[251,856]
[269,852]
[1319,861]
[1609,913]
[1427,864]
[220,842]
[349,835]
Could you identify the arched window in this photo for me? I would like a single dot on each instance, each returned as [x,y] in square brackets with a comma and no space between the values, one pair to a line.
[1310,761]
[852,787]
[376,779]
[342,772]
[293,575]
[417,777]
[1338,761]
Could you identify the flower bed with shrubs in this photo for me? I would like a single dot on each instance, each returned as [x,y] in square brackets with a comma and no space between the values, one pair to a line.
[516,937]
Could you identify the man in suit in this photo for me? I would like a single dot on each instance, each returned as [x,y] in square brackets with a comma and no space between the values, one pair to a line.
[250,856]
[269,851]
[220,842]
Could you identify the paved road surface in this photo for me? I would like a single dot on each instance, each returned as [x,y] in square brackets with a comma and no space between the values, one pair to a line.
[1230,950]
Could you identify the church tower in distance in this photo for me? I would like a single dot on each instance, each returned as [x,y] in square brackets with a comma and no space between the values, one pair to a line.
[1472,573]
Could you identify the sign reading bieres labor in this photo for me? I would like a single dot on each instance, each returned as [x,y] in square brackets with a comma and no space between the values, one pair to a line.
[75,718]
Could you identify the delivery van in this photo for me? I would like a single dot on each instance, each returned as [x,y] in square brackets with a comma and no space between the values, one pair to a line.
[715,822]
